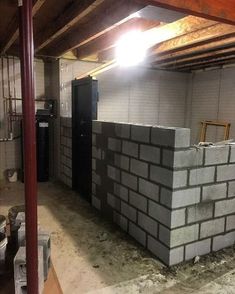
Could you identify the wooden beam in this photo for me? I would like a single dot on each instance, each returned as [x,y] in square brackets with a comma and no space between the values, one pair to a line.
[209,64]
[205,56]
[12,32]
[74,13]
[219,10]
[174,30]
[114,15]
[210,34]
[109,39]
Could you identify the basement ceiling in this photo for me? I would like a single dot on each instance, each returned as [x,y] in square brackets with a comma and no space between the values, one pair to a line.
[89,29]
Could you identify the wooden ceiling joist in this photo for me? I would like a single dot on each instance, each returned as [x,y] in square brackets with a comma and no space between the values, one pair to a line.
[219,10]
[114,15]
[74,13]
[12,32]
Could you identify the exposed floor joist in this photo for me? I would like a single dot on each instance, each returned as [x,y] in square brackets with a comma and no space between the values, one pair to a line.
[219,10]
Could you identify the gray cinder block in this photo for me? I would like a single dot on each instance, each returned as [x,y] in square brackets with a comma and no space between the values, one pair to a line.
[225,207]
[212,227]
[120,220]
[223,241]
[177,218]
[128,211]
[197,249]
[120,191]
[225,172]
[20,271]
[214,192]
[140,133]
[232,154]
[96,127]
[137,233]
[96,152]
[150,153]
[202,176]
[160,213]
[96,178]
[199,212]
[121,161]
[138,201]
[180,198]
[185,158]
[231,189]
[114,144]
[113,173]
[122,130]
[149,189]
[139,168]
[148,224]
[170,137]
[129,180]
[130,148]
[96,202]
[216,155]
[230,223]
[114,202]
[178,236]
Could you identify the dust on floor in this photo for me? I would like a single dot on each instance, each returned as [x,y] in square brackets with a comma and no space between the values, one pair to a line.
[91,255]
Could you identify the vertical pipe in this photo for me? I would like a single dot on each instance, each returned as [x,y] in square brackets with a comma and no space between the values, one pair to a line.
[28,103]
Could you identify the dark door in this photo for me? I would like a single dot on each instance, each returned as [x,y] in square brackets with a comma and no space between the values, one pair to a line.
[84,110]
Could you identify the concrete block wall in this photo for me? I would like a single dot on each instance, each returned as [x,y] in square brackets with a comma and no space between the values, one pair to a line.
[66,151]
[175,200]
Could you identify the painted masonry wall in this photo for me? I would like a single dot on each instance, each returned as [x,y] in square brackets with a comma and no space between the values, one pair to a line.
[178,202]
[10,152]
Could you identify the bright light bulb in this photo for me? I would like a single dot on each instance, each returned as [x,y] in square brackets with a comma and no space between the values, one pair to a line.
[131,49]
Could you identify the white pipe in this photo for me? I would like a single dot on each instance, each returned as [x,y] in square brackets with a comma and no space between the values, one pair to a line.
[10,138]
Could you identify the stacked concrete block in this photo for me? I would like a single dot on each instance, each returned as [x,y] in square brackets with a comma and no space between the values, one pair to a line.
[178,201]
[66,150]
[20,271]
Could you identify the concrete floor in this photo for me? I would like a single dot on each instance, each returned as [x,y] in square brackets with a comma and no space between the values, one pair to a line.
[91,255]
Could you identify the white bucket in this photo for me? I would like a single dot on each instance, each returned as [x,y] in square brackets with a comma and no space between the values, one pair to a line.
[12,175]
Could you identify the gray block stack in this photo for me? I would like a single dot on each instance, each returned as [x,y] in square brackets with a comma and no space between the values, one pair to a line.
[176,201]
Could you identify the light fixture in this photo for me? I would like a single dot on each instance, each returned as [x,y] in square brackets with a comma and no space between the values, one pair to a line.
[131,49]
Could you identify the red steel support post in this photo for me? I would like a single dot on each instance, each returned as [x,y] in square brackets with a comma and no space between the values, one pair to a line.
[29,135]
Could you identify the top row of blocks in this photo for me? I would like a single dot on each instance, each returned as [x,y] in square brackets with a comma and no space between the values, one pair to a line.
[157,135]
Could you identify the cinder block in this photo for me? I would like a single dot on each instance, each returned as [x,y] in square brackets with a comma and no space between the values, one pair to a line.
[161,175]
[137,234]
[178,236]
[114,144]
[94,188]
[96,152]
[122,130]
[197,249]
[93,139]
[93,163]
[231,189]
[120,191]
[20,271]
[68,152]
[180,198]
[230,223]
[158,249]
[160,213]
[138,201]
[96,127]
[149,189]
[128,211]
[140,133]
[121,161]
[199,212]
[225,172]
[212,227]
[150,153]
[148,224]
[68,171]
[129,181]
[202,176]
[114,202]
[214,192]
[179,179]
[113,173]
[225,207]
[177,218]
[170,137]
[96,178]
[185,158]
[232,154]
[223,241]
[216,155]
[120,220]
[130,148]
[95,202]
[139,168]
